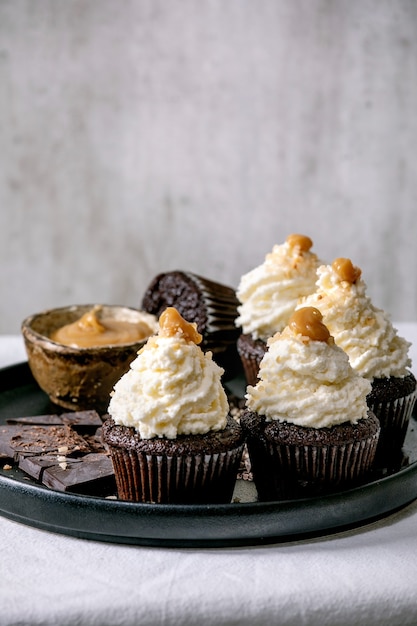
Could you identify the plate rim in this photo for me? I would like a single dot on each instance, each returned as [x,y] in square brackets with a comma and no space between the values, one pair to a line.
[198,525]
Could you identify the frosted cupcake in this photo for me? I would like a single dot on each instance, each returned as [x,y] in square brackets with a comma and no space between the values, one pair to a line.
[169,431]
[308,425]
[373,345]
[269,294]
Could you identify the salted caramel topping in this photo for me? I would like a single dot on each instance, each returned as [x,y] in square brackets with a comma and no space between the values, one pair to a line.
[345,269]
[172,324]
[302,241]
[91,331]
[308,322]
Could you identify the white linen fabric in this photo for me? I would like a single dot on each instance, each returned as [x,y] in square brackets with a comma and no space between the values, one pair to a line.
[12,350]
[364,576]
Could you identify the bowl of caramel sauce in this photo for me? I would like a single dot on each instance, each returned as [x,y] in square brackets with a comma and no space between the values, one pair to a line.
[77,353]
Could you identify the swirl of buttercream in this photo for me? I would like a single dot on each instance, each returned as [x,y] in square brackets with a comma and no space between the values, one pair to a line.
[308,383]
[362,330]
[172,388]
[270,292]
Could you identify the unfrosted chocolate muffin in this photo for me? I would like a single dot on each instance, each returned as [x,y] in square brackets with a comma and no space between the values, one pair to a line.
[290,461]
[211,305]
[189,469]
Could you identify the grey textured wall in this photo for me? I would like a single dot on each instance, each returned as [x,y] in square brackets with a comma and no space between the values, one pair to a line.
[149,135]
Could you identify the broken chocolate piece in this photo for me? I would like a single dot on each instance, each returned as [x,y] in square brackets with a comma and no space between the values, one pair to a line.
[7,450]
[15,439]
[45,439]
[64,452]
[34,465]
[36,420]
[93,475]
[81,421]
[47,433]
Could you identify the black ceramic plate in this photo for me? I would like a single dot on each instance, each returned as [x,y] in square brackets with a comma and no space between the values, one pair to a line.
[245,523]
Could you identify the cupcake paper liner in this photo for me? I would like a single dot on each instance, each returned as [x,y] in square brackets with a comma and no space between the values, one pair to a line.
[285,470]
[394,417]
[203,478]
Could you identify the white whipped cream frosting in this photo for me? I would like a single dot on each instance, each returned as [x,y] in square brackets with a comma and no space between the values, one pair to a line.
[270,292]
[308,383]
[363,331]
[172,388]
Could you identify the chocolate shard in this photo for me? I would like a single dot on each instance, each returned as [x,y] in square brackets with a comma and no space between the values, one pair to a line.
[34,465]
[46,438]
[92,476]
[36,420]
[16,439]
[64,452]
[96,443]
[81,421]
[7,450]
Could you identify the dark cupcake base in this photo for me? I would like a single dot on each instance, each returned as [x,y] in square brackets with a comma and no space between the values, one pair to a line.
[251,352]
[392,400]
[290,461]
[192,469]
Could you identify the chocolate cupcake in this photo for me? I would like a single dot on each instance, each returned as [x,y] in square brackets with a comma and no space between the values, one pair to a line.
[309,430]
[209,304]
[196,469]
[169,431]
[269,294]
[291,461]
[374,348]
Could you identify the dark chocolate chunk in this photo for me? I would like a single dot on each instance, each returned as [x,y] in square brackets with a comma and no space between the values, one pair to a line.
[49,433]
[7,450]
[34,465]
[93,475]
[47,438]
[15,439]
[36,420]
[81,421]
[64,452]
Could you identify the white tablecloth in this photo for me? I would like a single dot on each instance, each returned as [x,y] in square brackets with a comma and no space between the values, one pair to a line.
[365,576]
